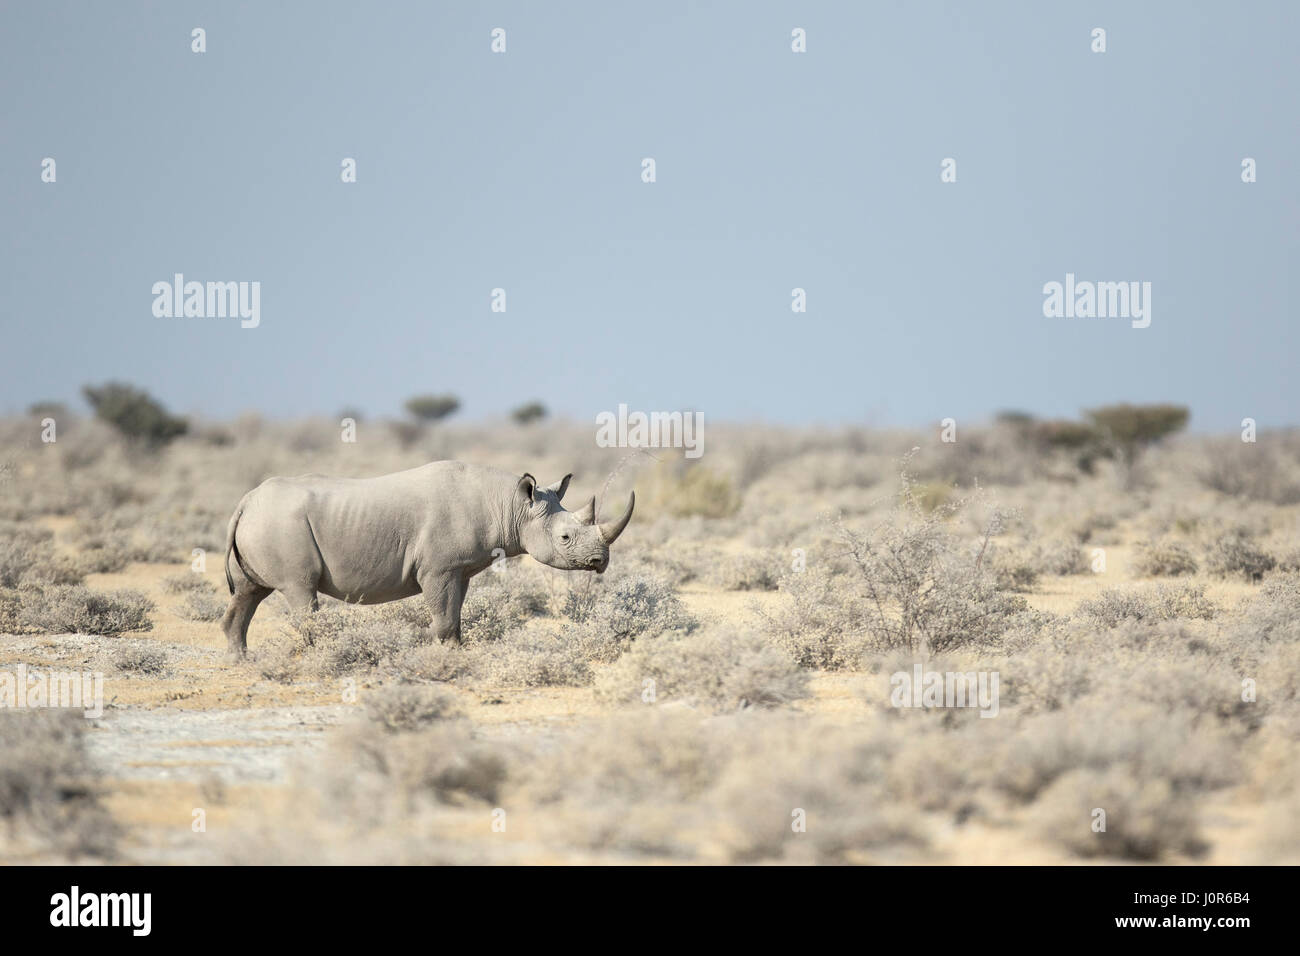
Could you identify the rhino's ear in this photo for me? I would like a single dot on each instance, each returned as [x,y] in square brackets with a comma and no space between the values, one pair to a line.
[560,487]
[526,487]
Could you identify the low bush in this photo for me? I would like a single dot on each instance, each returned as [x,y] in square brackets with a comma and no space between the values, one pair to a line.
[201,606]
[409,706]
[50,800]
[629,605]
[140,660]
[1163,559]
[721,670]
[746,572]
[822,623]
[1236,553]
[74,609]
[1149,605]
[500,602]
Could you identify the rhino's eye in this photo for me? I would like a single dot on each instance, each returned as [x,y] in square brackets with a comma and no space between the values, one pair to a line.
[564,537]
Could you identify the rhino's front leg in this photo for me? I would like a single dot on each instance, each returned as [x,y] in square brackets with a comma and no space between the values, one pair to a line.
[444,593]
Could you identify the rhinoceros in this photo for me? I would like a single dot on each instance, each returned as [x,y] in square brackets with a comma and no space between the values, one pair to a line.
[424,531]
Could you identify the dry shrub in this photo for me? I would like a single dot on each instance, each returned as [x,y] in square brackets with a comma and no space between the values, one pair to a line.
[835,783]
[201,606]
[55,569]
[408,707]
[823,622]
[1270,616]
[924,589]
[686,489]
[187,583]
[11,607]
[1146,820]
[917,585]
[721,670]
[376,770]
[172,533]
[101,544]
[434,661]
[1259,471]
[542,654]
[1095,527]
[746,572]
[500,602]
[663,781]
[628,605]
[49,794]
[677,562]
[1194,751]
[27,557]
[145,661]
[1062,558]
[74,609]
[630,783]
[1014,570]
[1044,679]
[1163,558]
[1162,602]
[1236,552]
[334,642]
[103,559]
[507,643]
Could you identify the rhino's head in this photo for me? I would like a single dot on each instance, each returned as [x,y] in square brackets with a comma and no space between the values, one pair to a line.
[569,540]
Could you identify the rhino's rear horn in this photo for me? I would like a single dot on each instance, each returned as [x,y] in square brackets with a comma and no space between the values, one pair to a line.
[587,513]
[610,530]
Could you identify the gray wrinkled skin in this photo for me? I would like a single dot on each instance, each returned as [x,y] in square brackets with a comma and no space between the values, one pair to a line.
[423,531]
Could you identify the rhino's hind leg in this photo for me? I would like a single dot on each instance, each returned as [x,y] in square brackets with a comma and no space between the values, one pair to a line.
[243,604]
[302,600]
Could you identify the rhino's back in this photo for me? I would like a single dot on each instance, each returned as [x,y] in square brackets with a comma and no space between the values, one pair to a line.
[366,537]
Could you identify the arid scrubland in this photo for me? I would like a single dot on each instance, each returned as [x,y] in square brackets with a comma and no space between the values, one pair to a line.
[726,692]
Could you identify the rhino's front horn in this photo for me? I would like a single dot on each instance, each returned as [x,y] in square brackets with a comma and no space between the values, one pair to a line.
[587,513]
[610,530]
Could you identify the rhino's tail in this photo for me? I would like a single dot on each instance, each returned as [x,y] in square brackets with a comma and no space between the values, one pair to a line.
[231,547]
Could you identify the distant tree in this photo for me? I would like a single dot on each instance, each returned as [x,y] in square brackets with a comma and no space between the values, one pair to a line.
[47,409]
[1134,428]
[529,413]
[134,413]
[1067,435]
[432,408]
[1080,439]
[1014,417]
[1130,429]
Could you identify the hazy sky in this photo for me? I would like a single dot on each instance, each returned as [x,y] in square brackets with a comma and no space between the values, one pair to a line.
[775,170]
